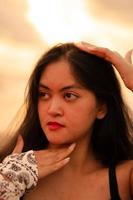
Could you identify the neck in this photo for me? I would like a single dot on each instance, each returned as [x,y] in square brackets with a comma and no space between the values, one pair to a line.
[82,159]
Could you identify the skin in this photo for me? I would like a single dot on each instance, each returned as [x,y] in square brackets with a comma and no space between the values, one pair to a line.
[83,177]
[67,171]
[48,160]
[123,65]
[61,98]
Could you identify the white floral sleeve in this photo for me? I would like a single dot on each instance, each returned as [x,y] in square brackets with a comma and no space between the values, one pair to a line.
[18,173]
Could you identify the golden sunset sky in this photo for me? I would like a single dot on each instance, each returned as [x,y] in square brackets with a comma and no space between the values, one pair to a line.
[29,27]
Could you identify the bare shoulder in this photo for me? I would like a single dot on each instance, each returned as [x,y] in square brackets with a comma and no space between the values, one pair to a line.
[125,169]
[130,169]
[124,173]
[128,164]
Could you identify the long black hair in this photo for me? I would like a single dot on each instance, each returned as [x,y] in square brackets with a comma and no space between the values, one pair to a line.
[111,140]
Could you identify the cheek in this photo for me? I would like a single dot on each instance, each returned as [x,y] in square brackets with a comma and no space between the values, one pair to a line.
[41,111]
[83,115]
[80,124]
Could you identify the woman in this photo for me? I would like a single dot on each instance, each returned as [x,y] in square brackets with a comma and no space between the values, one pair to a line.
[74,97]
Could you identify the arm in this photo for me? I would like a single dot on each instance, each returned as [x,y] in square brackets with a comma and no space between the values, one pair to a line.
[124,66]
[20,172]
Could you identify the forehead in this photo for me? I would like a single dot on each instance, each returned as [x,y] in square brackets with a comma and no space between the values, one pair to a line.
[58,72]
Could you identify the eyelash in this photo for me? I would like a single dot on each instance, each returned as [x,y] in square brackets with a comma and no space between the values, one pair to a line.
[42,94]
[74,96]
[67,96]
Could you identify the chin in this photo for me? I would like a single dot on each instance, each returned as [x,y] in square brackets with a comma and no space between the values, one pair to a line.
[59,142]
[58,138]
[53,142]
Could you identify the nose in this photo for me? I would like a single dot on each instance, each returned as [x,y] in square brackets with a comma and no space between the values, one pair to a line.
[55,107]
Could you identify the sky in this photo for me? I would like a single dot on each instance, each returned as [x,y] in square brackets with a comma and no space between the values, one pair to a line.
[29,27]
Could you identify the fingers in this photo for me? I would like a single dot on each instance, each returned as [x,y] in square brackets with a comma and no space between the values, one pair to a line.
[124,66]
[19,145]
[85,46]
[49,161]
[54,155]
[43,171]
[62,153]
[128,56]
[98,51]
[113,57]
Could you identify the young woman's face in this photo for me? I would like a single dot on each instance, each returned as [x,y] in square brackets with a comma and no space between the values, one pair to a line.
[66,109]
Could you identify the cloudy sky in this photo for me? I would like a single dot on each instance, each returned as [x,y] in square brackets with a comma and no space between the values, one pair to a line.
[29,27]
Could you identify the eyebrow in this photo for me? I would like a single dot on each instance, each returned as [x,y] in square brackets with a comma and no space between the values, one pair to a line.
[73,86]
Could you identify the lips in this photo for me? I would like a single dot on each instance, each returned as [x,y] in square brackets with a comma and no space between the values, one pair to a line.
[54,125]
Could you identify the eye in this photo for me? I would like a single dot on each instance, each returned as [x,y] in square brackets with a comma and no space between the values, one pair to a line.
[43,95]
[70,96]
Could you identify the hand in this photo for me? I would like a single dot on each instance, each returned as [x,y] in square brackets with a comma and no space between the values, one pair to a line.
[48,161]
[123,65]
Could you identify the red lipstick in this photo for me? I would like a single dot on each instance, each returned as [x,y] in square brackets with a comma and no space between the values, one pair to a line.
[54,125]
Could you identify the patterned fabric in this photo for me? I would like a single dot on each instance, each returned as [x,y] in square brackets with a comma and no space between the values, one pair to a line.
[18,174]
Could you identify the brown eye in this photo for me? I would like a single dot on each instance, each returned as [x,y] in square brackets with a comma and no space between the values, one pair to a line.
[70,96]
[44,95]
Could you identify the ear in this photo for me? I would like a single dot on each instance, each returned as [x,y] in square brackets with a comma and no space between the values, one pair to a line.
[102,111]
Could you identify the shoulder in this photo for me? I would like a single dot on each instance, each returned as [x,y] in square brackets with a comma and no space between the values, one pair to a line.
[131,177]
[125,169]
[128,164]
[124,172]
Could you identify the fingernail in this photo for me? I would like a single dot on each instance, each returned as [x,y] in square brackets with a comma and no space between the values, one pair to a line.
[81,44]
[85,45]
[66,159]
[72,146]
